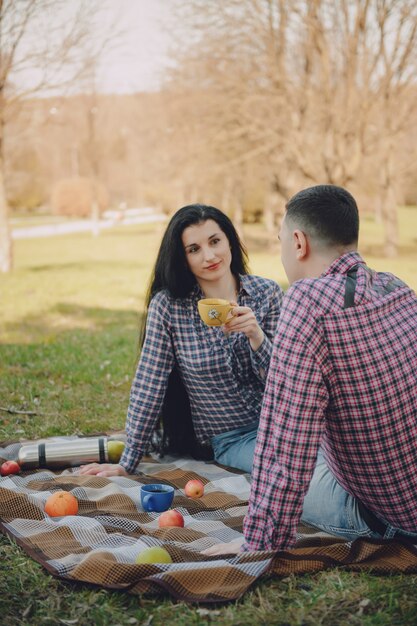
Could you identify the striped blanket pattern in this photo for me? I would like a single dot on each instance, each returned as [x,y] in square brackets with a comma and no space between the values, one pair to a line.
[100,544]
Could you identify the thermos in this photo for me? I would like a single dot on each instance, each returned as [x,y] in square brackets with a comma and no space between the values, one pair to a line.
[59,454]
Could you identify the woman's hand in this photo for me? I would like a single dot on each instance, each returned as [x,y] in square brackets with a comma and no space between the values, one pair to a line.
[233,547]
[102,469]
[244,321]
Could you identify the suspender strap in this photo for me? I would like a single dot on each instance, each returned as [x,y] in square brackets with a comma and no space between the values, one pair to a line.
[350,285]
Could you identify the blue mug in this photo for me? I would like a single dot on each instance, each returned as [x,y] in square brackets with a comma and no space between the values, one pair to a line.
[156,497]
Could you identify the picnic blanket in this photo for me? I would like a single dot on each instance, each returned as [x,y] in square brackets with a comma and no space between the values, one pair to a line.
[99,545]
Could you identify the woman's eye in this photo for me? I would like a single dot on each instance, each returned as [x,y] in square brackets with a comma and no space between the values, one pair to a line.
[192,249]
[214,241]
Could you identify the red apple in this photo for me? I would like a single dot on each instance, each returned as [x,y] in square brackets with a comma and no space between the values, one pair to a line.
[170,518]
[194,488]
[9,467]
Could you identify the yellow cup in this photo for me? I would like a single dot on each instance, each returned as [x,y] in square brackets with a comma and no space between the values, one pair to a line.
[214,311]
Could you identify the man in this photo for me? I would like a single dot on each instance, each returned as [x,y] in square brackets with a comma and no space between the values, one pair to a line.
[343,378]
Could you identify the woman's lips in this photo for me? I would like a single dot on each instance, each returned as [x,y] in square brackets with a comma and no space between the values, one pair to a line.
[213,267]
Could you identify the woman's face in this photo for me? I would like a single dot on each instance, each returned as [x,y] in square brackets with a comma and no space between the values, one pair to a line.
[207,250]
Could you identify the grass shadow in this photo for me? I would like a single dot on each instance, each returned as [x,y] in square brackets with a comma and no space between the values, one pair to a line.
[82,265]
[71,377]
[64,315]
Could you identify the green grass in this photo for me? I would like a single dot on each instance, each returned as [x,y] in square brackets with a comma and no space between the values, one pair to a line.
[68,345]
[29,596]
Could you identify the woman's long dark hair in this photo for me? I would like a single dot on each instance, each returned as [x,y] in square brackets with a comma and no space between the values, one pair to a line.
[171,272]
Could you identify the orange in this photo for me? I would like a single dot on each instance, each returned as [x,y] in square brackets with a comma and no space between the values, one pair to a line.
[61,503]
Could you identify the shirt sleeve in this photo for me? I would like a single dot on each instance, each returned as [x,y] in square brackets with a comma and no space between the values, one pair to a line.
[290,429]
[261,357]
[149,384]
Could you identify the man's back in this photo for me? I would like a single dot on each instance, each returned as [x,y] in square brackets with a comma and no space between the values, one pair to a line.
[367,358]
[344,379]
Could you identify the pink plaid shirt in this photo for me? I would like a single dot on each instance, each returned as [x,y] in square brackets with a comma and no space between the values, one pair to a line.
[345,379]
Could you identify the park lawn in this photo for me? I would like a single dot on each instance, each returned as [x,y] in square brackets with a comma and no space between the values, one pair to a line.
[69,318]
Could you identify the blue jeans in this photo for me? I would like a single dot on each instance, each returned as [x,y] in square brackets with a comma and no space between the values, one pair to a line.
[236,447]
[327,506]
[330,508]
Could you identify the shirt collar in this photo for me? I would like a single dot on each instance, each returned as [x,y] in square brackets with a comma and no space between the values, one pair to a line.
[247,285]
[344,263]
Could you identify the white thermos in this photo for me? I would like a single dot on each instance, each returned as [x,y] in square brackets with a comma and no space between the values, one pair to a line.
[70,453]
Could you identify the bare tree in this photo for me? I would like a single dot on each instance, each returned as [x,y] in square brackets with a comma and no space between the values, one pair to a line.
[359,62]
[43,47]
[303,92]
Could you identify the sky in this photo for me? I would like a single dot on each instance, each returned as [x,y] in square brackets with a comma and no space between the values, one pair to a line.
[138,61]
[133,61]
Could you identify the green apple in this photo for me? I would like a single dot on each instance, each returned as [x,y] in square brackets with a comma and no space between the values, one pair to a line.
[115,450]
[154,555]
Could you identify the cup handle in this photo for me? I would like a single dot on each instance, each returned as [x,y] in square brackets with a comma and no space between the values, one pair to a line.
[147,500]
[229,314]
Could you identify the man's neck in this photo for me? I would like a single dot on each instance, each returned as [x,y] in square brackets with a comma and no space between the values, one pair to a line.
[320,261]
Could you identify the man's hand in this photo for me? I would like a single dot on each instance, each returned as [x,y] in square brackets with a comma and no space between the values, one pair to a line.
[233,547]
[102,469]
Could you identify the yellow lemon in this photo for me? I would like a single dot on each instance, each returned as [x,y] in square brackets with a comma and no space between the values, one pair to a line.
[115,450]
[154,555]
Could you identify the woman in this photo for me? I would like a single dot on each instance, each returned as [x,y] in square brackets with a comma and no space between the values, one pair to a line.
[222,369]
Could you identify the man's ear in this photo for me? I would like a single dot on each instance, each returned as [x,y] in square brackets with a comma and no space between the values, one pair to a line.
[301,244]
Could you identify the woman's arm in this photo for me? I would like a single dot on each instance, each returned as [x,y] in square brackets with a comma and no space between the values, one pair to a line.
[244,321]
[260,334]
[150,382]
[102,469]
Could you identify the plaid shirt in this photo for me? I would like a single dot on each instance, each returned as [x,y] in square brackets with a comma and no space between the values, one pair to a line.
[345,379]
[223,376]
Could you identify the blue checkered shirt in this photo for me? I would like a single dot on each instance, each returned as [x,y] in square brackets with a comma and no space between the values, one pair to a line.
[223,376]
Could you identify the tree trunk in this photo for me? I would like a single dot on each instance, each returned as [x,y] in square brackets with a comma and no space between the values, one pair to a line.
[238,216]
[390,218]
[226,200]
[389,206]
[378,209]
[269,215]
[6,248]
[95,218]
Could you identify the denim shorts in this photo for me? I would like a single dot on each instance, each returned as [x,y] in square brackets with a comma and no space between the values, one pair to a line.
[236,447]
[330,508]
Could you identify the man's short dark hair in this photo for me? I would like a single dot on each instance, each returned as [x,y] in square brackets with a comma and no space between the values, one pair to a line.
[327,213]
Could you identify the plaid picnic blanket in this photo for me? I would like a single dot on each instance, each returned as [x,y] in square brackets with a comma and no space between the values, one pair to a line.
[100,544]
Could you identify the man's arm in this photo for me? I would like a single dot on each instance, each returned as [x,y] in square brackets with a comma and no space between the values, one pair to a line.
[290,429]
[261,357]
